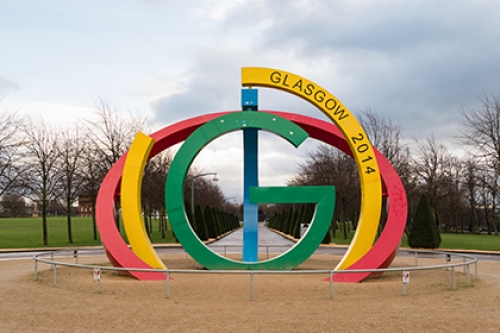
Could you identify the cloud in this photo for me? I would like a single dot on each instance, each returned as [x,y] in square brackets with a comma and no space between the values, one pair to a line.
[212,85]
[418,62]
[7,85]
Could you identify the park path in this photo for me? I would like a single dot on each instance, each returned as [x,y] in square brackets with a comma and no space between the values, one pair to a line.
[268,240]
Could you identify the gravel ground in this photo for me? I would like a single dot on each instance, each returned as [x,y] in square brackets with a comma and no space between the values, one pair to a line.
[221,303]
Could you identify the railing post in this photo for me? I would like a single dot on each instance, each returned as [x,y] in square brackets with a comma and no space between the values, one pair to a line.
[168,285]
[453,286]
[75,255]
[331,284]
[447,260]
[36,269]
[416,258]
[225,250]
[251,286]
[475,267]
[52,258]
[464,265]
[55,273]
[468,275]
[267,251]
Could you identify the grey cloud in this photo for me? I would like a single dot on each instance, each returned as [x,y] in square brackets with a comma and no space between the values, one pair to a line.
[213,86]
[418,62]
[7,85]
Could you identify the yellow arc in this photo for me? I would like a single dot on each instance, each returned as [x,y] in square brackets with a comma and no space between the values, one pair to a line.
[131,187]
[369,175]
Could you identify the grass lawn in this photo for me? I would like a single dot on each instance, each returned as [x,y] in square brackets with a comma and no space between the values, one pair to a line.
[464,241]
[27,233]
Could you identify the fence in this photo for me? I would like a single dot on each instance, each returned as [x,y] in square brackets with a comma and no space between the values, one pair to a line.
[467,260]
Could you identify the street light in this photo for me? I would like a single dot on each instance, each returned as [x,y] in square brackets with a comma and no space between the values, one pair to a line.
[192,178]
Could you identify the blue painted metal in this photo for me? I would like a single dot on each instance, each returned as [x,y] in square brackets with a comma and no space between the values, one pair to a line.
[249,99]
[249,102]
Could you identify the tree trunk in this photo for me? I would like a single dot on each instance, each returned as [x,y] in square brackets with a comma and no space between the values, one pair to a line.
[44,226]
[70,233]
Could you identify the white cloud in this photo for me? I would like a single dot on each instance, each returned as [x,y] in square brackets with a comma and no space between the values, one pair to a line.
[7,85]
[418,62]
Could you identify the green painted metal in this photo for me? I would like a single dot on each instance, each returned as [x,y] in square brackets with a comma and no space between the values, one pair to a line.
[324,196]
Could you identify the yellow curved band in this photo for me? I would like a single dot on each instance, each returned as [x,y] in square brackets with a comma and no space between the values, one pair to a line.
[131,186]
[369,175]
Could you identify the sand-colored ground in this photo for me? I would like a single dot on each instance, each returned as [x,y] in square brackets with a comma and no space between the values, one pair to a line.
[210,303]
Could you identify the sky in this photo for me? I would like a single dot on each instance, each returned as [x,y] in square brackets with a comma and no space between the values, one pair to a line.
[416,62]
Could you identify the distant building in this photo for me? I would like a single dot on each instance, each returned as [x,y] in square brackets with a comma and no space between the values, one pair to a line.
[84,206]
[35,210]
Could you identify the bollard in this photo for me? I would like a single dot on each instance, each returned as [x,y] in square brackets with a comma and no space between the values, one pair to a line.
[75,255]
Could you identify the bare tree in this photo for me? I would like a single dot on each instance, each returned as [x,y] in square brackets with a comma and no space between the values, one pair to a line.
[482,135]
[110,133]
[92,174]
[113,131]
[482,130]
[488,194]
[329,166]
[69,168]
[42,157]
[386,136]
[11,141]
[153,190]
[454,205]
[432,166]
[13,205]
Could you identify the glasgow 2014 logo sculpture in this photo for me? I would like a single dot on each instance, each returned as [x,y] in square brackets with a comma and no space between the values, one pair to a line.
[377,178]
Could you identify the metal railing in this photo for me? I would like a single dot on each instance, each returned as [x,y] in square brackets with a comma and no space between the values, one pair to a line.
[268,249]
[467,260]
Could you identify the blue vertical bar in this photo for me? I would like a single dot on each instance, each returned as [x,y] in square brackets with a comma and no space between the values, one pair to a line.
[250,178]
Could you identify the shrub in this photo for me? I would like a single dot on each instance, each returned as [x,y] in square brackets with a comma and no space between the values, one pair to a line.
[424,231]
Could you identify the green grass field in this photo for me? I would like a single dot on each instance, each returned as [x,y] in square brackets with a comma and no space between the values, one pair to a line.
[27,233]
[465,241]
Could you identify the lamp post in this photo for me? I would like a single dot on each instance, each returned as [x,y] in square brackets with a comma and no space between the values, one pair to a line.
[192,178]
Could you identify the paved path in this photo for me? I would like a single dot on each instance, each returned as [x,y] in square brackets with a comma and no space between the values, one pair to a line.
[267,239]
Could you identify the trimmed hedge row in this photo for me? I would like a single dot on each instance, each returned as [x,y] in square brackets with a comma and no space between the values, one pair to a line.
[211,223]
[290,221]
